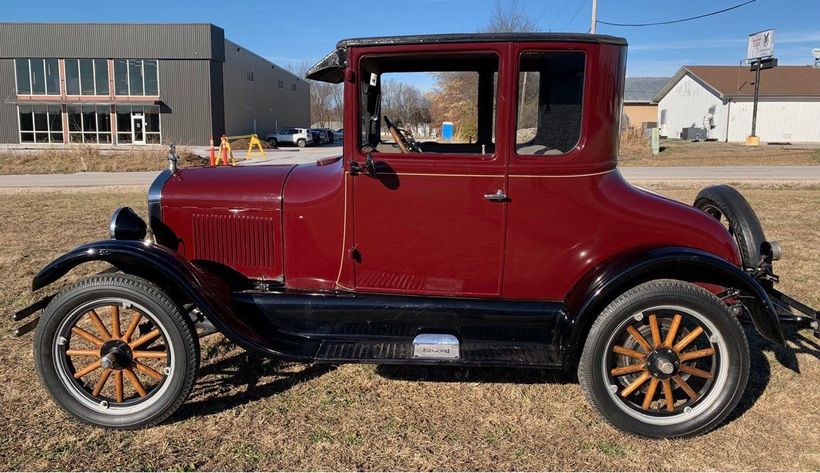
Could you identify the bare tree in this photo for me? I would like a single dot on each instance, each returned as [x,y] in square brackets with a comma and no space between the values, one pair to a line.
[509,17]
[326,99]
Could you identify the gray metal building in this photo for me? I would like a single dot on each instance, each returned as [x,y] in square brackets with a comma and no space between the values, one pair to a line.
[139,84]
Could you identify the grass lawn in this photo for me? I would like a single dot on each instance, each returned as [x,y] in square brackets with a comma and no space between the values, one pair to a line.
[248,413]
[681,153]
[72,159]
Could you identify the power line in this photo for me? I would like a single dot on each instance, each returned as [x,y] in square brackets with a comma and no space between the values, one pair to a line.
[558,14]
[580,5]
[543,11]
[680,20]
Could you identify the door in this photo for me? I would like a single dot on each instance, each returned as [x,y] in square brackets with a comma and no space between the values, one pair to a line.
[430,222]
[138,128]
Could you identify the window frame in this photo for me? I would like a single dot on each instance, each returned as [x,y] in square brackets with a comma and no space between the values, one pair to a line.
[47,91]
[582,132]
[500,53]
[83,131]
[94,77]
[34,131]
[127,62]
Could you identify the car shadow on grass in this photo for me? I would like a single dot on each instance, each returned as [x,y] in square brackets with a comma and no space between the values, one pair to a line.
[761,370]
[243,378]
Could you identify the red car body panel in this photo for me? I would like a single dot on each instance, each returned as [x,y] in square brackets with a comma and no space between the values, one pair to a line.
[423,226]
[228,218]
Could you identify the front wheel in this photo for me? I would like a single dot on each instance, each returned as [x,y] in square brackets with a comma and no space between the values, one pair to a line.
[665,359]
[301,143]
[116,352]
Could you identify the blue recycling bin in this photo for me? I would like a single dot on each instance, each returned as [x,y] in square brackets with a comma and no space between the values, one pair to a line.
[447,129]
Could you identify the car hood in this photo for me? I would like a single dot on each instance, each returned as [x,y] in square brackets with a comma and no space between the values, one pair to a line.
[231,187]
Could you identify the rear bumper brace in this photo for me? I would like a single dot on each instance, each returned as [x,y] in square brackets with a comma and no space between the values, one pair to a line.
[792,311]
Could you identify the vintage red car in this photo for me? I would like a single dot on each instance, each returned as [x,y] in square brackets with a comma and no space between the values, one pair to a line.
[518,246]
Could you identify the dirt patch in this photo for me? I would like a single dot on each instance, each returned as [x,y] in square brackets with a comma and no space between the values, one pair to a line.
[74,159]
[250,413]
[635,151]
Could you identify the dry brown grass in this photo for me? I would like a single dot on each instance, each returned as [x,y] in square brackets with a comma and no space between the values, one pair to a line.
[634,143]
[72,159]
[250,413]
[635,151]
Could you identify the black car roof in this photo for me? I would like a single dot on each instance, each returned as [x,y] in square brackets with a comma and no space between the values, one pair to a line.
[331,67]
[480,38]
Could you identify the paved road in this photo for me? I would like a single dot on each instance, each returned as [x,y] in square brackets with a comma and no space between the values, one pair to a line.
[757,174]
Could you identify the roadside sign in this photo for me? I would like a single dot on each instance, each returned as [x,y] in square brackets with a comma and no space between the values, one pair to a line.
[760,45]
[767,63]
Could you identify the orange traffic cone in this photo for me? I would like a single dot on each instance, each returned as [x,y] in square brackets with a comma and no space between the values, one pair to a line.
[213,156]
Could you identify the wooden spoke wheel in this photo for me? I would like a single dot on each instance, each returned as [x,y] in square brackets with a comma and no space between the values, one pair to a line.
[665,359]
[115,351]
[663,362]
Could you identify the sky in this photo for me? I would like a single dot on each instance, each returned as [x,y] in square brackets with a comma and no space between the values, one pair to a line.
[288,32]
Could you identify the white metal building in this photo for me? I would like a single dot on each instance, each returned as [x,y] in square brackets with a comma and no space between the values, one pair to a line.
[719,99]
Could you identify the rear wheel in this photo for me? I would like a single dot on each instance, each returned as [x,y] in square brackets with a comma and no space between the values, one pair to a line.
[665,359]
[116,352]
[301,143]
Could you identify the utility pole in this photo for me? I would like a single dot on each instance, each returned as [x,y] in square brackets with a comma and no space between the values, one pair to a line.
[594,16]
[753,137]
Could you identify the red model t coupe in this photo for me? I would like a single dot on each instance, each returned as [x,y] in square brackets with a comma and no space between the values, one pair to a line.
[518,246]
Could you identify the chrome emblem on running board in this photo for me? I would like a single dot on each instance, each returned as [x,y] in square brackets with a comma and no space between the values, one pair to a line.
[436,346]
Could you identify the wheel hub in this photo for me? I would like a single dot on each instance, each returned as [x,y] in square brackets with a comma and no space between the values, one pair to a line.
[116,354]
[662,363]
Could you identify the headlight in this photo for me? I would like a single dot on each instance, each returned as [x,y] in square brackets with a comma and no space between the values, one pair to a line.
[127,225]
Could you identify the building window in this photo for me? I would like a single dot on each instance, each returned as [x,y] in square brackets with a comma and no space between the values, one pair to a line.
[37,76]
[86,76]
[293,87]
[40,124]
[145,133]
[250,76]
[89,124]
[281,84]
[136,77]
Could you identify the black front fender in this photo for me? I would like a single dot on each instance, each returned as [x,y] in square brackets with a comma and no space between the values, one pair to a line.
[183,281]
[606,282]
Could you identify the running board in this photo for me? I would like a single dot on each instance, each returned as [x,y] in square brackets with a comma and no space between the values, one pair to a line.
[479,354]
[376,328]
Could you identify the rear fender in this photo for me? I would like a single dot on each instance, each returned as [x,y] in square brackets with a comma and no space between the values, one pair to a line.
[179,277]
[611,279]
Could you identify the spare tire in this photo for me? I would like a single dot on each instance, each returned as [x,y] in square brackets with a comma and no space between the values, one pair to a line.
[729,207]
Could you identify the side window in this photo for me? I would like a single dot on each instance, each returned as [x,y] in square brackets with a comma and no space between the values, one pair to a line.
[430,103]
[550,99]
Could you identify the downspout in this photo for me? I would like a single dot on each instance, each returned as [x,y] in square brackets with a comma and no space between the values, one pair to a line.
[728,114]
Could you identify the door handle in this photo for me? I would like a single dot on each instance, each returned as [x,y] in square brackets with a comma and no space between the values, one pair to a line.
[499,196]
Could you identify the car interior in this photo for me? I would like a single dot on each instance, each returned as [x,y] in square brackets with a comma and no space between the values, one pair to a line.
[549,102]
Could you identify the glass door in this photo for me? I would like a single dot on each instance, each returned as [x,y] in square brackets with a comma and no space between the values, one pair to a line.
[138,128]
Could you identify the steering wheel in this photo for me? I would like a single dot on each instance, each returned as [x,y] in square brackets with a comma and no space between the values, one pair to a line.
[403,138]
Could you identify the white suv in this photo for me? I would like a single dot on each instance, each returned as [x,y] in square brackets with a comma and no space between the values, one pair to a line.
[301,137]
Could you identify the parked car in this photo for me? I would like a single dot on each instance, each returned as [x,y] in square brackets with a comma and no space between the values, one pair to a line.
[526,251]
[319,137]
[338,135]
[300,137]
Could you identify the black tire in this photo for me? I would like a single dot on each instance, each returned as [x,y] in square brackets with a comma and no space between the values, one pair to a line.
[273,142]
[722,201]
[729,363]
[178,338]
[301,143]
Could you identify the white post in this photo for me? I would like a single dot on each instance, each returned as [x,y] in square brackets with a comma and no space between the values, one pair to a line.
[594,15]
